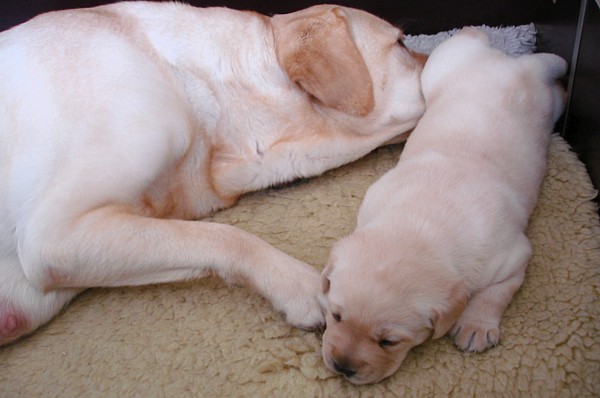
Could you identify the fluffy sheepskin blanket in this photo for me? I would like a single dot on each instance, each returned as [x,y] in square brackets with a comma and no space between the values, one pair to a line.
[204,338]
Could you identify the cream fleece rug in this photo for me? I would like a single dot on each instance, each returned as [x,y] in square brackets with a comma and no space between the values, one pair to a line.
[205,339]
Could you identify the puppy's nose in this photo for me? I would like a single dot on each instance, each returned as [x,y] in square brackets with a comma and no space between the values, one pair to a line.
[343,370]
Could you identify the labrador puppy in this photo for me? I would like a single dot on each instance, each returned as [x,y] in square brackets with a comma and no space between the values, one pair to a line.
[439,244]
[123,124]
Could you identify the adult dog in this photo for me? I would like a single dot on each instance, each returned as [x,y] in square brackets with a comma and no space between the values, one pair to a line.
[120,124]
[440,241]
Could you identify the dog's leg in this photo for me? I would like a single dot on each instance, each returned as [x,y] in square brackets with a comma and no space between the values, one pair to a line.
[478,328]
[111,247]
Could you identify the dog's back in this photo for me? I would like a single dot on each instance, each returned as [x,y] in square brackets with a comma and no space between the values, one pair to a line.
[494,108]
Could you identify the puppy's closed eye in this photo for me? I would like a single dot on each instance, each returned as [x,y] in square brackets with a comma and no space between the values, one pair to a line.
[385,343]
[337,317]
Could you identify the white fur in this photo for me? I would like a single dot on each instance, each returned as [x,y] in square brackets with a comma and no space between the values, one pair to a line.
[440,240]
[120,122]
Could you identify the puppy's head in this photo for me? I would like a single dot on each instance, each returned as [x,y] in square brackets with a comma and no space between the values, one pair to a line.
[352,62]
[455,55]
[381,305]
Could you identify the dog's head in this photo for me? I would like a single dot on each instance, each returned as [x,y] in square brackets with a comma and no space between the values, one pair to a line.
[352,62]
[381,305]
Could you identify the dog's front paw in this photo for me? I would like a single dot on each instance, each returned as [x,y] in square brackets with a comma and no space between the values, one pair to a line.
[475,336]
[299,301]
[305,314]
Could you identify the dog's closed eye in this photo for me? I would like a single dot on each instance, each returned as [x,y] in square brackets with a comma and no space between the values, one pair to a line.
[337,317]
[385,343]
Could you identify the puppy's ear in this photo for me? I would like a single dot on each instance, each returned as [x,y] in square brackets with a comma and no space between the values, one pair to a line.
[443,319]
[325,282]
[317,51]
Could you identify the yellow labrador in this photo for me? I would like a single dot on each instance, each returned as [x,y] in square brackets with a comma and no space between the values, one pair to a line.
[439,243]
[123,123]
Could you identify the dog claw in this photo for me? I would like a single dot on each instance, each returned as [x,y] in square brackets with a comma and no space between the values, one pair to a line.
[475,338]
[455,332]
[468,347]
[493,337]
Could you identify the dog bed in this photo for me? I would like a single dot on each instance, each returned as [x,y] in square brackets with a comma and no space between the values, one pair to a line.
[204,338]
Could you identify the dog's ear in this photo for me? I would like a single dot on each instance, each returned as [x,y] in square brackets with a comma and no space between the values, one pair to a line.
[325,282]
[317,51]
[444,318]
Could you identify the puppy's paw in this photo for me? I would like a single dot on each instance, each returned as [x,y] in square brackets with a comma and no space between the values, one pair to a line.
[475,336]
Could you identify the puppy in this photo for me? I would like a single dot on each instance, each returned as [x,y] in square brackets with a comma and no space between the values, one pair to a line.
[439,244]
[122,124]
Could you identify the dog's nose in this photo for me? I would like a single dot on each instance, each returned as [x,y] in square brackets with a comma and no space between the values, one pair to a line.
[343,370]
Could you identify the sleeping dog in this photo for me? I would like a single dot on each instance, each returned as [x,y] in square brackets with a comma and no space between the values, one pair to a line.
[122,125]
[439,244]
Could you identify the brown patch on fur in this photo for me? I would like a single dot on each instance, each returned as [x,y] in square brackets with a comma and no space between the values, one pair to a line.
[164,207]
[172,194]
[54,278]
[212,176]
[318,53]
[166,197]
[420,58]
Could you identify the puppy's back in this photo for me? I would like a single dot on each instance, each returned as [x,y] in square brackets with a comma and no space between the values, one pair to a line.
[467,67]
[480,148]
[486,105]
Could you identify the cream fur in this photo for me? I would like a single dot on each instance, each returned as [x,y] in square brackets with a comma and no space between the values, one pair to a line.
[440,240]
[122,124]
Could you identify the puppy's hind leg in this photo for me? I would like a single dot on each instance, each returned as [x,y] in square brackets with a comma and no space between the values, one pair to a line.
[478,328]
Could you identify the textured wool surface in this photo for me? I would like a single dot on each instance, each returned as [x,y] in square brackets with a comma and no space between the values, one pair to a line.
[206,339]
[513,40]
